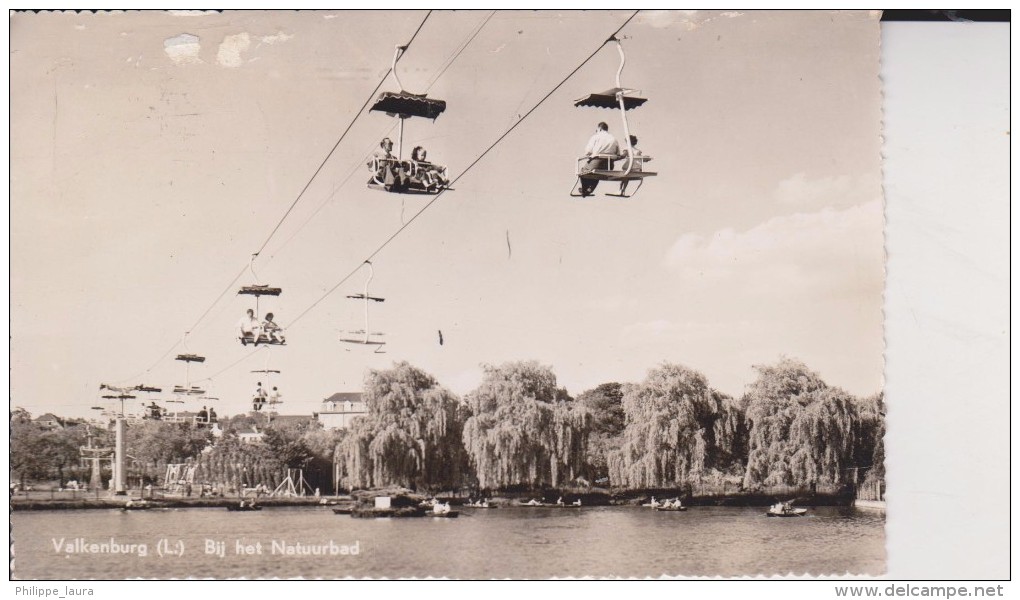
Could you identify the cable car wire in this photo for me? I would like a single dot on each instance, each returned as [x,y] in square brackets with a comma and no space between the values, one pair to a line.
[293,204]
[342,136]
[359,165]
[465,171]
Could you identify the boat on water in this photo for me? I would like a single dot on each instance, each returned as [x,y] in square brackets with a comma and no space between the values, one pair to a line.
[343,511]
[481,504]
[784,509]
[138,505]
[674,505]
[667,506]
[453,514]
[558,504]
[243,507]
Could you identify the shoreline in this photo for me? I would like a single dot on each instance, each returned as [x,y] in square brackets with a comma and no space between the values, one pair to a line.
[588,499]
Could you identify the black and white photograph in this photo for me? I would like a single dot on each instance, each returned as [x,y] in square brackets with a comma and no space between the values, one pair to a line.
[473,294]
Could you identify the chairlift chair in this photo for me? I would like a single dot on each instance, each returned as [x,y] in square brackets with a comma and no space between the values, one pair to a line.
[419,177]
[625,169]
[366,336]
[258,290]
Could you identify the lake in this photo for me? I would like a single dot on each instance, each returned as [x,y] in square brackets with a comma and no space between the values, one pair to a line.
[506,542]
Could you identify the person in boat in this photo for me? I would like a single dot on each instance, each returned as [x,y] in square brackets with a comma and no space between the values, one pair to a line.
[272,331]
[249,327]
[534,502]
[203,415]
[212,415]
[600,145]
[155,411]
[636,164]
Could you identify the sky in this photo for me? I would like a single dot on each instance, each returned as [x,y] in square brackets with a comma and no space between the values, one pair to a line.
[152,153]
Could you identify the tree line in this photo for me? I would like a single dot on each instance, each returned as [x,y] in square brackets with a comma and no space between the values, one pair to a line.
[44,453]
[519,429]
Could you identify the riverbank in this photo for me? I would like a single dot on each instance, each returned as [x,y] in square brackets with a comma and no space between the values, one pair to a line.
[593,497]
[112,502]
[638,497]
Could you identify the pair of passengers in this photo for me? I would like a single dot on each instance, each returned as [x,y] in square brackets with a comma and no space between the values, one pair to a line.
[253,329]
[601,148]
[398,174]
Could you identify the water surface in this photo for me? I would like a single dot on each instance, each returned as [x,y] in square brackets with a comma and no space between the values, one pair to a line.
[506,542]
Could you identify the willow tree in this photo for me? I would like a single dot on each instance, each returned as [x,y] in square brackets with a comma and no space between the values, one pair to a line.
[870,453]
[801,431]
[523,430]
[411,435]
[673,424]
[605,403]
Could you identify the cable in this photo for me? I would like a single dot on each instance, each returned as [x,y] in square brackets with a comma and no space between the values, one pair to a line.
[344,134]
[463,173]
[230,366]
[299,196]
[439,195]
[446,65]
[450,61]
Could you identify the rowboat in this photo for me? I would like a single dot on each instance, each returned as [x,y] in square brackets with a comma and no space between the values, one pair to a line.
[670,508]
[243,507]
[785,510]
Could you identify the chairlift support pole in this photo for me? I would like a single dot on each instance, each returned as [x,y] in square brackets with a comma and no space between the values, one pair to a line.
[371,275]
[393,70]
[255,280]
[623,107]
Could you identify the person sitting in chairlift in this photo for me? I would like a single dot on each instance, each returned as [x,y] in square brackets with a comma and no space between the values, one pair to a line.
[250,328]
[274,397]
[430,175]
[273,332]
[389,171]
[259,398]
[601,145]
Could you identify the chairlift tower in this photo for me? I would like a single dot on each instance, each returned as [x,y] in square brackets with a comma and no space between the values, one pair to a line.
[119,453]
[94,456]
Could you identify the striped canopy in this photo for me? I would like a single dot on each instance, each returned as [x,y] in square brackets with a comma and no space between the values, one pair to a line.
[607,99]
[406,104]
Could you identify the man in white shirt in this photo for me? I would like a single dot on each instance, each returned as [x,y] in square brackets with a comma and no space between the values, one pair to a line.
[602,143]
[258,398]
[250,327]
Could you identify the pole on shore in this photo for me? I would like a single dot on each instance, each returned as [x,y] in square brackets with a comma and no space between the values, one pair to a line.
[118,459]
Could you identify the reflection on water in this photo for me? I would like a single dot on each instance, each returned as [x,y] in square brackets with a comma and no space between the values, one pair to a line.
[508,542]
